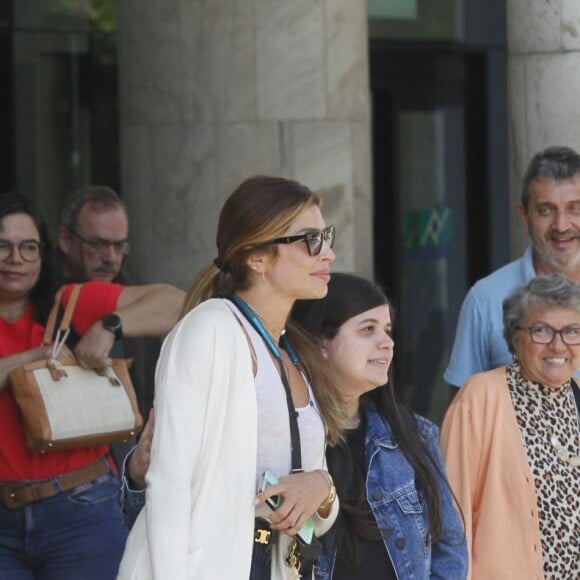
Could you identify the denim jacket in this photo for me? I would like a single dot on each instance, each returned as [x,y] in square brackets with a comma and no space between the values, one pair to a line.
[400,511]
[132,500]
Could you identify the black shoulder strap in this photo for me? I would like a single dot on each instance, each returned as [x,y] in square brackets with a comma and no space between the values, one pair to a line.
[250,315]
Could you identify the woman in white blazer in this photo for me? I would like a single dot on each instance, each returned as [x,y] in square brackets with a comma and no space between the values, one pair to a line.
[231,376]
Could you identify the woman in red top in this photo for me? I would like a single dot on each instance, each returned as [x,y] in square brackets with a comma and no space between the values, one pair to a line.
[59,511]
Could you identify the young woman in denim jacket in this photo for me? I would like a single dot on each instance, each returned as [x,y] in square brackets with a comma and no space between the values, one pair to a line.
[397,516]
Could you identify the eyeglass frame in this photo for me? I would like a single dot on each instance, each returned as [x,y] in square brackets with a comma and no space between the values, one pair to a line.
[13,246]
[325,234]
[554,333]
[102,242]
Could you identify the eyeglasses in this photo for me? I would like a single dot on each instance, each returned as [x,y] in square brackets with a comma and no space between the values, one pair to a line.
[100,246]
[29,250]
[544,334]
[314,240]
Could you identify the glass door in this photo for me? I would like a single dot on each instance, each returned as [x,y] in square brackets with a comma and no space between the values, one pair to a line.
[431,211]
[429,167]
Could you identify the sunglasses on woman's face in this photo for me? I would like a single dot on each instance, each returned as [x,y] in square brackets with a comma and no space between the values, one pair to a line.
[314,240]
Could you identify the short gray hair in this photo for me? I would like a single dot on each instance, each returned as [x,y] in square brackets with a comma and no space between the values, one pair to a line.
[554,290]
[554,163]
[98,194]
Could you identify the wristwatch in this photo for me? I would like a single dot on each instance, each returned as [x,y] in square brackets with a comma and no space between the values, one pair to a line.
[112,323]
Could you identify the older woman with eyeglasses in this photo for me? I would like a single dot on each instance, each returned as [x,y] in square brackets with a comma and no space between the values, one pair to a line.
[511,442]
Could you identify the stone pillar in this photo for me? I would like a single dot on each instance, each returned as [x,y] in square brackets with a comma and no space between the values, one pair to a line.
[213,92]
[543,86]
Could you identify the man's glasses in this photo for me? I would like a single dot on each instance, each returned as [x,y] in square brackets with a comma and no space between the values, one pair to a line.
[100,246]
[314,240]
[544,334]
[29,250]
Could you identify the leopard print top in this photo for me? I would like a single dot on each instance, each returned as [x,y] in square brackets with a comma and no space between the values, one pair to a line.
[547,417]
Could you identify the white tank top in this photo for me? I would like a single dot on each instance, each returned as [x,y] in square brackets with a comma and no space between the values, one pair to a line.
[273,421]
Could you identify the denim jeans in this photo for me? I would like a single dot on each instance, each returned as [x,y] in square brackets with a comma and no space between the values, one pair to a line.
[79,534]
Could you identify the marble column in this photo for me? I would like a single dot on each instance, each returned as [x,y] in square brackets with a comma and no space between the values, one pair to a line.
[543,86]
[212,92]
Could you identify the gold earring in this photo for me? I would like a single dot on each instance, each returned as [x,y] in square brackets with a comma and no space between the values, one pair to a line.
[264,277]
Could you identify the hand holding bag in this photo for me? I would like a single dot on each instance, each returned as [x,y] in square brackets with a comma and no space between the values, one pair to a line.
[65,406]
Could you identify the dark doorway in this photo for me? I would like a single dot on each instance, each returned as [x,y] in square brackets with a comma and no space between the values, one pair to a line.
[59,104]
[6,103]
[431,201]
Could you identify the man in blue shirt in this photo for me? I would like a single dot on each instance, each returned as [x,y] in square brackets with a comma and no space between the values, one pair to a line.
[550,213]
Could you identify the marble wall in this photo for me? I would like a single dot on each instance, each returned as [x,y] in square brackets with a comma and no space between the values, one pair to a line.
[543,86]
[212,92]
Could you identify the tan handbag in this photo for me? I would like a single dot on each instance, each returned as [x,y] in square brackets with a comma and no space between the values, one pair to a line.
[64,406]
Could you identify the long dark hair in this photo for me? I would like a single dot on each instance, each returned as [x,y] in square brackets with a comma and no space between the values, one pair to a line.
[42,295]
[349,295]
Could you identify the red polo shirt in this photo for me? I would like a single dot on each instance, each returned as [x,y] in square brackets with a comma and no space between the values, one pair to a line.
[16,463]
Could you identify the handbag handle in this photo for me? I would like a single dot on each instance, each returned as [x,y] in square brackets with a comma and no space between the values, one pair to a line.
[56,370]
[67,316]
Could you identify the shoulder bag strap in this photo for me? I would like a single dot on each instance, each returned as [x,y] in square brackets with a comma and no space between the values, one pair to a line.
[64,329]
[51,322]
[253,319]
[70,308]
[293,417]
[67,316]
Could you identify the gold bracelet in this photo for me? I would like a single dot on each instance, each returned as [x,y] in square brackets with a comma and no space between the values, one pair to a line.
[331,489]
[327,478]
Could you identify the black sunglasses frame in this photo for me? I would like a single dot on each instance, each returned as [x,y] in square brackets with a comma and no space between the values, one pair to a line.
[313,244]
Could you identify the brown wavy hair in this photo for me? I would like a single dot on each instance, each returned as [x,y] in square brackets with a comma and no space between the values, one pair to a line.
[262,208]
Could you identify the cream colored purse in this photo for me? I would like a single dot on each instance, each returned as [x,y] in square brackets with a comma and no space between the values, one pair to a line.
[65,406]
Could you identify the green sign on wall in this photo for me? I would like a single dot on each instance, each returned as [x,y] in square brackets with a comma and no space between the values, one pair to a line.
[428,228]
[400,9]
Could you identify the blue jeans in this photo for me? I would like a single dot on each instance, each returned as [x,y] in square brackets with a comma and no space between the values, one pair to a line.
[79,534]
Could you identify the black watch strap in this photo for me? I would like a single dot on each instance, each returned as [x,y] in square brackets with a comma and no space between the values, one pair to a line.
[112,323]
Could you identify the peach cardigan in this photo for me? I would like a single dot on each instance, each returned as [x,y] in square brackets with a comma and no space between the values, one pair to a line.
[489,473]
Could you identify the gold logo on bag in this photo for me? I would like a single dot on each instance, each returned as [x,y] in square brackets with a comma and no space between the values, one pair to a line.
[262,536]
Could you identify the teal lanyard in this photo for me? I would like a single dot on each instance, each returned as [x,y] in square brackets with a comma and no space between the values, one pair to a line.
[256,323]
[253,319]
